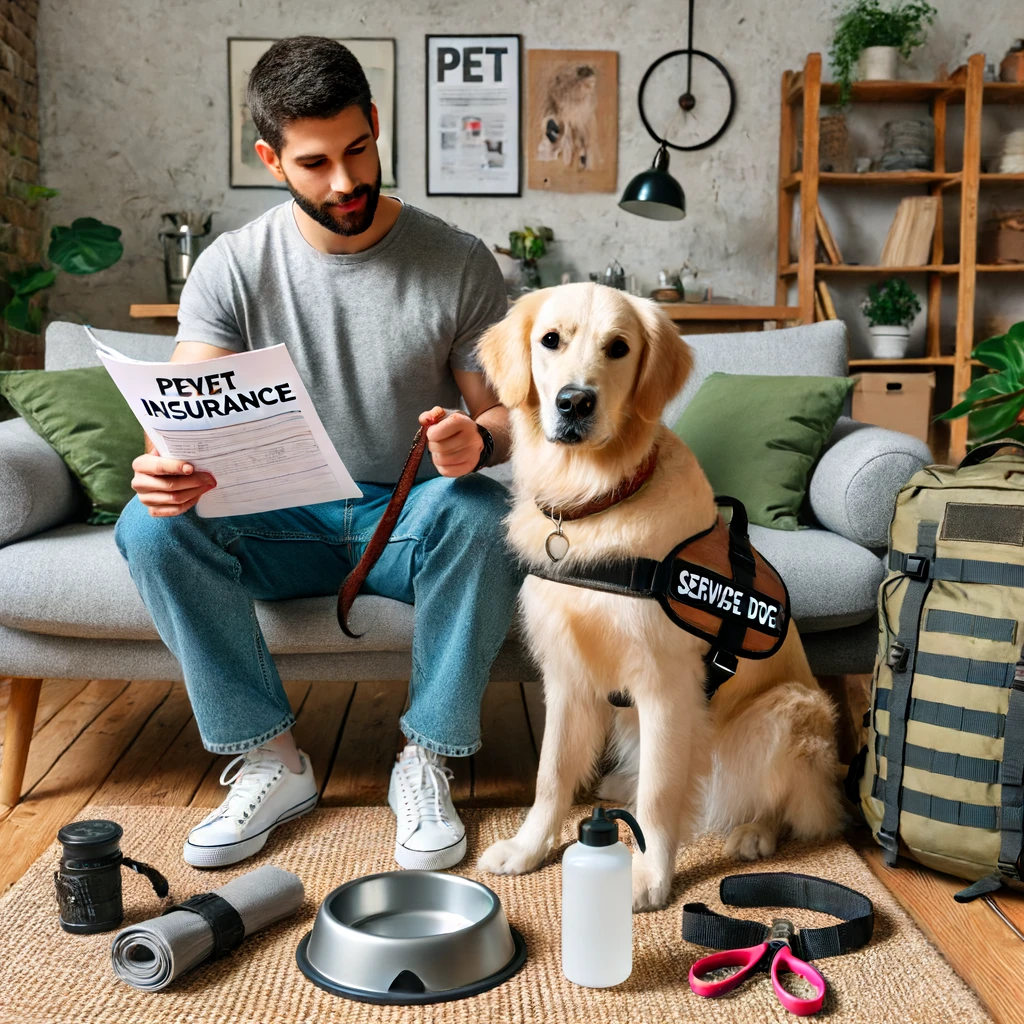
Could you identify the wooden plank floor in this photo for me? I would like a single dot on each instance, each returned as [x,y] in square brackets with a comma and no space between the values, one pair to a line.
[108,741]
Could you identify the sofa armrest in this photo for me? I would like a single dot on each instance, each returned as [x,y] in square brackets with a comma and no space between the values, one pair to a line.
[854,486]
[36,490]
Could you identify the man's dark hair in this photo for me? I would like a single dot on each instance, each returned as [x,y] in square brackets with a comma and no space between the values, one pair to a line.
[305,76]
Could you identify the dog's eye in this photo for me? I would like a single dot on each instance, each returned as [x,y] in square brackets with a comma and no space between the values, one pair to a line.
[617,349]
[550,340]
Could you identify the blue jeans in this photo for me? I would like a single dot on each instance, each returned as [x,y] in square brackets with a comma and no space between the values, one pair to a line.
[447,556]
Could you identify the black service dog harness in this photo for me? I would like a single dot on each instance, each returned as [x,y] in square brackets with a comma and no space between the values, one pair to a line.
[714,585]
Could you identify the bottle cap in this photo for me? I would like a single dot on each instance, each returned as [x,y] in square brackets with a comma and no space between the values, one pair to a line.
[600,828]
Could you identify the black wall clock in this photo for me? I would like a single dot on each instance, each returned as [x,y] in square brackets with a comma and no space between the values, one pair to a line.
[686,97]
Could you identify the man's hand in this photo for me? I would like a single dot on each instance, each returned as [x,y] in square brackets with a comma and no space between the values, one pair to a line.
[453,440]
[168,487]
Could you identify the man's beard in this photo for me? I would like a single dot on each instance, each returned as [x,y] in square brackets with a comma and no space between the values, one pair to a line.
[349,223]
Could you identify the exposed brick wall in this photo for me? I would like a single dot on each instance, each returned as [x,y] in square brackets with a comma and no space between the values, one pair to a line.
[21,221]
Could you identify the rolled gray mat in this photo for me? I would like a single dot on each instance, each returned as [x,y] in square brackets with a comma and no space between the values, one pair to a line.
[151,954]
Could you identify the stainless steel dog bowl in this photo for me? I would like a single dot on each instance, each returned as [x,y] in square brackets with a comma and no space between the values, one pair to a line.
[410,937]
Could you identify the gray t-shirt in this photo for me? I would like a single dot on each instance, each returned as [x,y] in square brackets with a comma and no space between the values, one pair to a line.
[374,335]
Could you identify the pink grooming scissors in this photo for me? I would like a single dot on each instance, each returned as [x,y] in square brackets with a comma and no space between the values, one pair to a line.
[772,955]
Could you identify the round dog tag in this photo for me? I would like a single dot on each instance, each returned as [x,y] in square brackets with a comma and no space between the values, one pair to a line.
[557,546]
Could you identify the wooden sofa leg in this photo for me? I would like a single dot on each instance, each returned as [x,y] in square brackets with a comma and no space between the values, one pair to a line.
[21,717]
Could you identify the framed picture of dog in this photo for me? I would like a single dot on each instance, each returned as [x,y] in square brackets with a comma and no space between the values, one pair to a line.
[377,56]
[473,115]
[572,120]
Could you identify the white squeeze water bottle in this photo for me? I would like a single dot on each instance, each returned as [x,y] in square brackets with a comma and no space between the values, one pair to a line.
[597,902]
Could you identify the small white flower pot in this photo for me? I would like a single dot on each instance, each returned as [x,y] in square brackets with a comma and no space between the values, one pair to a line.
[878,63]
[888,342]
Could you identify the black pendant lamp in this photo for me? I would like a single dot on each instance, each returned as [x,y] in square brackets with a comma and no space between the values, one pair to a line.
[655,193]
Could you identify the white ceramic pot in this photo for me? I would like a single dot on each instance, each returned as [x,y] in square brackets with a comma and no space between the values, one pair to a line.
[878,63]
[888,342]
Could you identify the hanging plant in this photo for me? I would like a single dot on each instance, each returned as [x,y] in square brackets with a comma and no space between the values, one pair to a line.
[865,23]
[994,403]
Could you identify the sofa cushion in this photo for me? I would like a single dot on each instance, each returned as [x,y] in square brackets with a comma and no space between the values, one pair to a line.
[832,582]
[756,438]
[83,416]
[72,581]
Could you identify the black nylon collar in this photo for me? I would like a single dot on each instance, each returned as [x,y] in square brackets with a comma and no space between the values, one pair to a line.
[704,927]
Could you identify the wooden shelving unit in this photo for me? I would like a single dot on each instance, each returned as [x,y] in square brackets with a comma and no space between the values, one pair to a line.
[798,189]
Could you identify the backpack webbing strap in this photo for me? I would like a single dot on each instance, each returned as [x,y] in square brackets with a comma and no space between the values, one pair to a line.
[940,762]
[948,716]
[704,927]
[1011,772]
[964,624]
[966,570]
[918,569]
[938,808]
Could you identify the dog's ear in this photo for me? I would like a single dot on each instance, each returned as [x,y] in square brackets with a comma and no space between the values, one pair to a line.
[504,350]
[665,363]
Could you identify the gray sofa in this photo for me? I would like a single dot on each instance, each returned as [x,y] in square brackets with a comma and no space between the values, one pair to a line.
[69,609]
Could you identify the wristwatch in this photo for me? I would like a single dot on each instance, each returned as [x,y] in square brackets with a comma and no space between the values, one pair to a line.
[488,449]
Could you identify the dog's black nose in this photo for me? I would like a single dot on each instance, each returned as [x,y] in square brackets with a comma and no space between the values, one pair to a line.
[576,402]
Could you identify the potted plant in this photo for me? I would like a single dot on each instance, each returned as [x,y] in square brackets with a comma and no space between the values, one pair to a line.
[994,402]
[872,36]
[86,247]
[890,308]
[528,246]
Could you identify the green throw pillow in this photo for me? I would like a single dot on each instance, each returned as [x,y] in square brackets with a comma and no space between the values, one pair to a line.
[756,438]
[85,419]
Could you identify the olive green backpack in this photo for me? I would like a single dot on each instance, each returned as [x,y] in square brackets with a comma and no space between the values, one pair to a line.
[940,777]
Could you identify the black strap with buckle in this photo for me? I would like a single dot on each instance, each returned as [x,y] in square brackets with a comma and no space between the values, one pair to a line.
[225,922]
[704,927]
[902,657]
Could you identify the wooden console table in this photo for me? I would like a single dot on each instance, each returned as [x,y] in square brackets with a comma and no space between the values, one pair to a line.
[693,317]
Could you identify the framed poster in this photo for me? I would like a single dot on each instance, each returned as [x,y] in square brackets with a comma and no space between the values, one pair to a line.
[473,115]
[572,120]
[377,57]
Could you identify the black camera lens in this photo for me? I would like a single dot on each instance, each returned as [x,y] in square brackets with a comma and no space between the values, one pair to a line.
[88,882]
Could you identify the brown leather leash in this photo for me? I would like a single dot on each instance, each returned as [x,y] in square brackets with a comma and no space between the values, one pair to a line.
[357,577]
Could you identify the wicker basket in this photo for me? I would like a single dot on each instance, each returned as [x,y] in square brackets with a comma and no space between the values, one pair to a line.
[834,144]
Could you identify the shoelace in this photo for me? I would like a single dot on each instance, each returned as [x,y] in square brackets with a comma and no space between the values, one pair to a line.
[427,794]
[248,785]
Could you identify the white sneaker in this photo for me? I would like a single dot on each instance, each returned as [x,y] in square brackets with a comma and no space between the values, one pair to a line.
[430,835]
[264,794]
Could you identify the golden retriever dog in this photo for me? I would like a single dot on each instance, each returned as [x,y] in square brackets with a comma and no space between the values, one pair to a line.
[586,371]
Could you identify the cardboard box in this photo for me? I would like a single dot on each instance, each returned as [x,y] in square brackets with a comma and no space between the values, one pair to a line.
[899,401]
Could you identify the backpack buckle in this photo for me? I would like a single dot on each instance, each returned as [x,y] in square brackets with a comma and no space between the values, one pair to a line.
[890,844]
[898,657]
[916,566]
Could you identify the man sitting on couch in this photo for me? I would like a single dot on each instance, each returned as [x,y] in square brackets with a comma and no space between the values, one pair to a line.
[381,305]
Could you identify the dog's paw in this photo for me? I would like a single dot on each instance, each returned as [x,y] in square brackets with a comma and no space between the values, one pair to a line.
[651,887]
[510,857]
[751,841]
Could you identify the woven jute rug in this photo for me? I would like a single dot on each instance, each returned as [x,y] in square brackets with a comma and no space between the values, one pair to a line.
[49,975]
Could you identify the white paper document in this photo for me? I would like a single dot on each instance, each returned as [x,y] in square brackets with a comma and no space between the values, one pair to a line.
[246,419]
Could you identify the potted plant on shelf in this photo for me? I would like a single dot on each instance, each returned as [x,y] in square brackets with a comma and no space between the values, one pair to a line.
[994,403]
[890,308]
[528,246]
[874,37]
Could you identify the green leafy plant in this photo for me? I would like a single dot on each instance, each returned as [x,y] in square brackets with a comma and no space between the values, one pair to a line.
[891,304]
[994,402]
[86,247]
[530,243]
[865,23]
